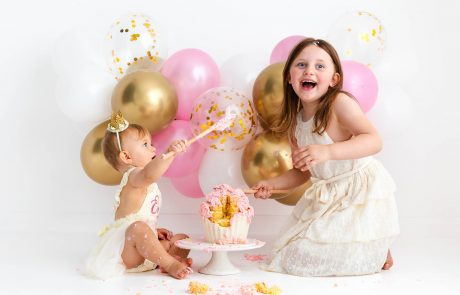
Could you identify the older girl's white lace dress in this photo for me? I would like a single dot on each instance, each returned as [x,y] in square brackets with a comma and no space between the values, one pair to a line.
[105,260]
[344,223]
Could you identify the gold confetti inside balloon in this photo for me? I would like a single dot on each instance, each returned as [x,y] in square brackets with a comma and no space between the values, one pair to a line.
[145,65]
[358,36]
[146,98]
[265,157]
[211,106]
[134,41]
[93,160]
[268,94]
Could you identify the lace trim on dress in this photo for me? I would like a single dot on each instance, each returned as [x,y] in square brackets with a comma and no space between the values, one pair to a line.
[123,182]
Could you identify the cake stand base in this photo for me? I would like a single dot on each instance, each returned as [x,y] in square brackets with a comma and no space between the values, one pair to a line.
[219,264]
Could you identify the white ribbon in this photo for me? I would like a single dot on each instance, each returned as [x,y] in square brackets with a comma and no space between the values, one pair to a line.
[324,194]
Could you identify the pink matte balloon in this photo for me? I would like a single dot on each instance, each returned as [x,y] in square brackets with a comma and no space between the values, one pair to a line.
[183,164]
[188,185]
[283,48]
[360,81]
[192,72]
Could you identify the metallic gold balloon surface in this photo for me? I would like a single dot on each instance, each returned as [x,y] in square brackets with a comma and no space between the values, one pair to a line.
[265,157]
[146,98]
[92,158]
[268,94]
[292,198]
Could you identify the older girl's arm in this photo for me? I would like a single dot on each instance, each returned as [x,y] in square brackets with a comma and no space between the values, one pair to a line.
[365,140]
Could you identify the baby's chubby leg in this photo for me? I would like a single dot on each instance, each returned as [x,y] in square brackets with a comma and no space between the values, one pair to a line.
[141,243]
[176,252]
[165,244]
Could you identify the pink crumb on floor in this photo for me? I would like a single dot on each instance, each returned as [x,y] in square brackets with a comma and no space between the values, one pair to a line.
[256,257]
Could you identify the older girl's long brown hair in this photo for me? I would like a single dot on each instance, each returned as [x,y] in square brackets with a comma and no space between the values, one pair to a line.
[291,103]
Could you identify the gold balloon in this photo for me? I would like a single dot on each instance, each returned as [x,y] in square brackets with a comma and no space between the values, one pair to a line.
[93,160]
[267,156]
[146,98]
[292,198]
[268,94]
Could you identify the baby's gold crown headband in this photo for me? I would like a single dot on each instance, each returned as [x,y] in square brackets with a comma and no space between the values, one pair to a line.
[116,125]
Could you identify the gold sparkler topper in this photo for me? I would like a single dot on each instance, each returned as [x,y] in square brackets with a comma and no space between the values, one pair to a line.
[117,123]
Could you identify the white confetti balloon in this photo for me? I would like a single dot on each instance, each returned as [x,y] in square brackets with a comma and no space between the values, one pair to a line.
[133,41]
[212,106]
[358,36]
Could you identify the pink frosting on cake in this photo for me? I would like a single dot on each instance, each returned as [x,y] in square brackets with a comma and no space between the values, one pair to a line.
[212,200]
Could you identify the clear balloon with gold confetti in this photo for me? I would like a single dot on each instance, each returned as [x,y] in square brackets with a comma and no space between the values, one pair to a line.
[359,36]
[212,106]
[134,42]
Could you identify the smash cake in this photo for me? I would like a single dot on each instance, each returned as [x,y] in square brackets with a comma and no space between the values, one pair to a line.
[226,215]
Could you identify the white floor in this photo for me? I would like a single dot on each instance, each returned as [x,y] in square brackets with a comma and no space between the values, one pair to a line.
[427,261]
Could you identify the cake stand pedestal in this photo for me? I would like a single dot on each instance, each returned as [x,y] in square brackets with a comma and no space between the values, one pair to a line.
[219,264]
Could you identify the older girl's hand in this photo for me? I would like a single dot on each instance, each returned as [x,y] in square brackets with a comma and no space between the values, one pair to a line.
[263,190]
[306,157]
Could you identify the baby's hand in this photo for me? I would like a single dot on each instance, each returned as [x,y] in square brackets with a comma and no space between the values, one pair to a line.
[164,234]
[306,157]
[263,190]
[178,146]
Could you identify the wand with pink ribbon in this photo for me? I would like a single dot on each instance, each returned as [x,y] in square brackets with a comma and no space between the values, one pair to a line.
[273,191]
[231,114]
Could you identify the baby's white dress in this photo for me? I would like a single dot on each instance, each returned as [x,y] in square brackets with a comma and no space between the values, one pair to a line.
[105,259]
[344,223]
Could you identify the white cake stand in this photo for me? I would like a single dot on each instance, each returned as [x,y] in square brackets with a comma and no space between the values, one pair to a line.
[219,264]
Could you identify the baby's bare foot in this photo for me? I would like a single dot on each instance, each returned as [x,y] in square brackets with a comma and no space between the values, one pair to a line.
[389,262]
[186,260]
[178,269]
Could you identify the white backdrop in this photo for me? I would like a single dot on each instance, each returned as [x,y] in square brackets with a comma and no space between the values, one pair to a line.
[43,183]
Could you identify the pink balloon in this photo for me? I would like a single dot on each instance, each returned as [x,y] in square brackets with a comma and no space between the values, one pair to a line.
[360,81]
[192,72]
[283,48]
[188,185]
[183,164]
